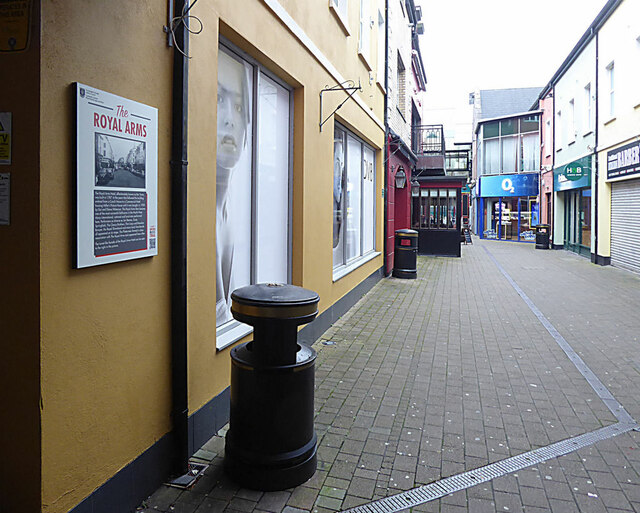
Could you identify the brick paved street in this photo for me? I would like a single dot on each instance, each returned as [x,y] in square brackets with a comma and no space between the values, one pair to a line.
[424,379]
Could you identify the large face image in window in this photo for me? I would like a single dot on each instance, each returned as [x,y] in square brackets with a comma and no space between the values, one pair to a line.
[252,180]
[233,176]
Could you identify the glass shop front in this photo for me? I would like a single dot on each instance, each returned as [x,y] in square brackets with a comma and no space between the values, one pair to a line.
[508,207]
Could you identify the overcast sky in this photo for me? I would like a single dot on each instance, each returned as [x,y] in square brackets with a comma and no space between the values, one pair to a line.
[493,44]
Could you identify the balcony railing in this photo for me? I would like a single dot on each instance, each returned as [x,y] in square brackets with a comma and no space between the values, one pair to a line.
[428,140]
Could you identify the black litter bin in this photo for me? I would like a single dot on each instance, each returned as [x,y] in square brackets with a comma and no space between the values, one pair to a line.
[542,236]
[271,443]
[405,254]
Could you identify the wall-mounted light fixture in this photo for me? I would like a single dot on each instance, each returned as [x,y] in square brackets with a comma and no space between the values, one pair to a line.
[415,187]
[401,178]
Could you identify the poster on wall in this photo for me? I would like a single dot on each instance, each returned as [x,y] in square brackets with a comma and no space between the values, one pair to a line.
[116,178]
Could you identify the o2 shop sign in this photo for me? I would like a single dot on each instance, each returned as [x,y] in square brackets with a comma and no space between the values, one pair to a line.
[509,185]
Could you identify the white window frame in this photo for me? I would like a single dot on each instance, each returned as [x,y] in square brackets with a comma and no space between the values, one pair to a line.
[232,331]
[571,123]
[340,9]
[547,138]
[382,49]
[558,124]
[611,81]
[346,266]
[364,33]
[588,108]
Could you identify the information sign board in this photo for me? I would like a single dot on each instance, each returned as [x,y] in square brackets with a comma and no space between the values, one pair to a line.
[116,177]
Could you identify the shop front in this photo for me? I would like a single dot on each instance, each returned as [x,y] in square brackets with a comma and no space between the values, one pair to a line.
[435,214]
[572,186]
[623,176]
[508,207]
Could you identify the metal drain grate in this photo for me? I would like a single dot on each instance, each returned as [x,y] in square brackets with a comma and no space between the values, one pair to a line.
[449,485]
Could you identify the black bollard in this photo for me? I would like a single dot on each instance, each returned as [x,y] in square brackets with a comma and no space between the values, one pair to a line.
[271,443]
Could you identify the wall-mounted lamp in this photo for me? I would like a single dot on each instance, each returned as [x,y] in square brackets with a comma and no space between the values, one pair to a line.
[401,178]
[415,187]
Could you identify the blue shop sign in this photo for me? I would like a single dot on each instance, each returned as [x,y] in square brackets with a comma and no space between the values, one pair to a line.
[496,186]
[574,175]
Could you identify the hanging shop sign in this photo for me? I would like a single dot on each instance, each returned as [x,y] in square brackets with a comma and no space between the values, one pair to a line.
[574,175]
[624,161]
[496,186]
[116,178]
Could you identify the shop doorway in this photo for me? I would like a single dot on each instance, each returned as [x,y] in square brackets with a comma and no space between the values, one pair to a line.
[577,221]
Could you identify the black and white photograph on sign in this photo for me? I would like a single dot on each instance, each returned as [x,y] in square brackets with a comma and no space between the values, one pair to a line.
[233,181]
[119,162]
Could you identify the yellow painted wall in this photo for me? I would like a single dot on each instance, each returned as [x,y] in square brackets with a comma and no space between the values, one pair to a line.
[617,43]
[105,330]
[275,48]
[19,291]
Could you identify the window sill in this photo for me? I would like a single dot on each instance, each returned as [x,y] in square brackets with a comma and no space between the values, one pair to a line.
[587,133]
[636,107]
[571,142]
[611,120]
[558,150]
[342,271]
[231,332]
[341,21]
[365,59]
[381,86]
[401,114]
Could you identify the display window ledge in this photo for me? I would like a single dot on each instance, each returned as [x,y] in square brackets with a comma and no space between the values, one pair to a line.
[230,333]
[343,270]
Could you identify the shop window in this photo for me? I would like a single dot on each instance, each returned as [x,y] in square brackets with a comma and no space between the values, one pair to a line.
[529,153]
[252,184]
[434,209]
[353,200]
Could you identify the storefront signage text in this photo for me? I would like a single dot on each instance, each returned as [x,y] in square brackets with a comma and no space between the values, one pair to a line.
[624,161]
[495,186]
[574,175]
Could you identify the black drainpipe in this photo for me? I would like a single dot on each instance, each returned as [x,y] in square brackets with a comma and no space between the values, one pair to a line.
[385,243]
[595,152]
[179,246]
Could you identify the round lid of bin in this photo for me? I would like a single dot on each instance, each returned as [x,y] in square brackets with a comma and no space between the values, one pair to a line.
[407,233]
[274,301]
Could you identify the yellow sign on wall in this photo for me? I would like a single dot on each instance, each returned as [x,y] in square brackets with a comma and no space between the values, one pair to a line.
[5,137]
[14,25]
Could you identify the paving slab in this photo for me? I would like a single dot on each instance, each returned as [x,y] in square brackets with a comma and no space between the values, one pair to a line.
[450,372]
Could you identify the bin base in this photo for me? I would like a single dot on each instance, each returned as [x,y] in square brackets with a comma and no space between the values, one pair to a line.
[404,273]
[269,478]
[542,246]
